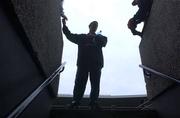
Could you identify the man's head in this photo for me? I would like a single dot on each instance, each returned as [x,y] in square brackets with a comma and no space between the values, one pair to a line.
[93,26]
[135,2]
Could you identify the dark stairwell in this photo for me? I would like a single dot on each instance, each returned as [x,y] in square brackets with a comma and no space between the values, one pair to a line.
[27,37]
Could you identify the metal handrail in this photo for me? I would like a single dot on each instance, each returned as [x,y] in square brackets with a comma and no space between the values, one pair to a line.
[159,73]
[20,108]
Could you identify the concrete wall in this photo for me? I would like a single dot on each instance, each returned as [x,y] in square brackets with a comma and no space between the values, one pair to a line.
[160,50]
[18,73]
[36,22]
[41,22]
[168,104]
[160,45]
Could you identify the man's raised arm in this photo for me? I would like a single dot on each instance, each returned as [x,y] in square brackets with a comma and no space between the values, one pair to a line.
[70,36]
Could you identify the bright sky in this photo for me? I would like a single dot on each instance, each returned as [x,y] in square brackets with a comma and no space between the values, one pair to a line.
[121,74]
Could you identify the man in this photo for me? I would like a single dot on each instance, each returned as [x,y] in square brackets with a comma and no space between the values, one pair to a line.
[89,62]
[140,16]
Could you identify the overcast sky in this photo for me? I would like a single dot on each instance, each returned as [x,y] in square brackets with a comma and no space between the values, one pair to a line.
[121,74]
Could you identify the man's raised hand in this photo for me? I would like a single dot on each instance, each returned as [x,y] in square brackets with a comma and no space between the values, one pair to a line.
[64,21]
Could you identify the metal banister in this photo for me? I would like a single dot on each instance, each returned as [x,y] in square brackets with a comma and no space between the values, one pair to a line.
[20,108]
[159,73]
[148,103]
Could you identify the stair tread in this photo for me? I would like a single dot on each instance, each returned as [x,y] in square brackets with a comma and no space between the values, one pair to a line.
[103,108]
[104,112]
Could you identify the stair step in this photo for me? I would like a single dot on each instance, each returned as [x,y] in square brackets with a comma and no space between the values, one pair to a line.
[104,112]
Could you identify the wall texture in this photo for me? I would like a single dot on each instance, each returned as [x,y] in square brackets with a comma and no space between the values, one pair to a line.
[19,75]
[26,23]
[168,104]
[41,22]
[160,45]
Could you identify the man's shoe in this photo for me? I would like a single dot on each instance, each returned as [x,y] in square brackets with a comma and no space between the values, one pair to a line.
[94,106]
[73,105]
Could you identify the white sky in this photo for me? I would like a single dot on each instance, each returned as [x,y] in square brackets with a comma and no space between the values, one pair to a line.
[121,74]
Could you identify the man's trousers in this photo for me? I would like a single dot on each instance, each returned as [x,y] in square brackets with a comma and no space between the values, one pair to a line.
[82,75]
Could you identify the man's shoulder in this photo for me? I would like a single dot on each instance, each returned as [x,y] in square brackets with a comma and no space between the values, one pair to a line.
[101,36]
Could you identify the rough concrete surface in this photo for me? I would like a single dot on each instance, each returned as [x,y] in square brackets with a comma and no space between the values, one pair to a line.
[41,22]
[160,45]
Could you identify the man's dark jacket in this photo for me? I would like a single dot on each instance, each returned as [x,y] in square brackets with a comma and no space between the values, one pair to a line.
[89,48]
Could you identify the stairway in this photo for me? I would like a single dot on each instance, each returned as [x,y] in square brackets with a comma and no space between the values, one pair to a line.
[105,112]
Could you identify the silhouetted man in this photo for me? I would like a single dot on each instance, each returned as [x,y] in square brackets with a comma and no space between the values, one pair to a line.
[89,62]
[140,16]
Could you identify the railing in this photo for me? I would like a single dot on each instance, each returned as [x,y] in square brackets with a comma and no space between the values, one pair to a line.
[159,73]
[21,107]
[147,103]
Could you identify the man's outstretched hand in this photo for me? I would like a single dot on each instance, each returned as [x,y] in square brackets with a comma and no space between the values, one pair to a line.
[64,17]
[64,21]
